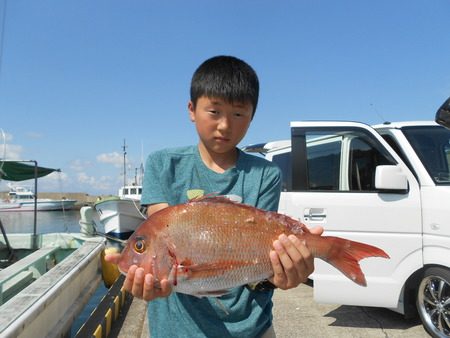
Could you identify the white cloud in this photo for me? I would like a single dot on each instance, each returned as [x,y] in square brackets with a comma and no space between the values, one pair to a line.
[102,183]
[80,165]
[6,137]
[113,158]
[56,177]
[9,151]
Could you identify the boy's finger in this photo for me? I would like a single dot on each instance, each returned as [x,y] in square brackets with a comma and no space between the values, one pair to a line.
[279,276]
[138,283]
[317,230]
[112,258]
[148,291]
[128,282]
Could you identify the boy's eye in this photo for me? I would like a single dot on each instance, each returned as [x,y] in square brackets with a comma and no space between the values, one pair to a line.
[240,114]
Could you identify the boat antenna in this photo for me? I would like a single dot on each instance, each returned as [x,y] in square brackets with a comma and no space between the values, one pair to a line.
[141,167]
[3,158]
[124,148]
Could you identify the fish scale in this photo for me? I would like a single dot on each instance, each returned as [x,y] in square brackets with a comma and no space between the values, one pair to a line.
[216,240]
[210,245]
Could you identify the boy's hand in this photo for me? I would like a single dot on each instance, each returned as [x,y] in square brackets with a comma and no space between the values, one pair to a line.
[292,261]
[141,285]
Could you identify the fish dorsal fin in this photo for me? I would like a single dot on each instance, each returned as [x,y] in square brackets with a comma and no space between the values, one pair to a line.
[213,198]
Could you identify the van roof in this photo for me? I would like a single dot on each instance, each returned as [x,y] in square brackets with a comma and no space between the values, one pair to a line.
[264,148]
[402,124]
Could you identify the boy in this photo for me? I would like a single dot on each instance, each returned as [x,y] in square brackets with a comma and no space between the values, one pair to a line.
[224,96]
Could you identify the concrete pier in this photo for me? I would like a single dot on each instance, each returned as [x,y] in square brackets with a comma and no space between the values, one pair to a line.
[296,314]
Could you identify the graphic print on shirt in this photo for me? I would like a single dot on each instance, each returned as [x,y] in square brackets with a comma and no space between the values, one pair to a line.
[195,193]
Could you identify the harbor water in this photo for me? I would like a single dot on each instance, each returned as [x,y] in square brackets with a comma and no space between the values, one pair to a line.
[47,222]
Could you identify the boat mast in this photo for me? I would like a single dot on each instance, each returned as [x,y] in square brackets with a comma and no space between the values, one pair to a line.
[124,147]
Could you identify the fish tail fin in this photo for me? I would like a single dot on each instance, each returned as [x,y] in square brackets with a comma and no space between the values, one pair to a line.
[345,255]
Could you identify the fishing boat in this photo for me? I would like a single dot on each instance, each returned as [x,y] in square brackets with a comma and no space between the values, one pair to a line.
[132,192]
[119,216]
[46,279]
[22,198]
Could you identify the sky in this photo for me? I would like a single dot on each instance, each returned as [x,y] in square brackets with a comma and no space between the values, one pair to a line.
[77,78]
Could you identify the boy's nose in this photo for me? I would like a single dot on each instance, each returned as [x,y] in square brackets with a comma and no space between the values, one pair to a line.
[224,123]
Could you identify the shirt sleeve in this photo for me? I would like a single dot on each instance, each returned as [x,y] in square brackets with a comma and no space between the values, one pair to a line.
[153,190]
[270,191]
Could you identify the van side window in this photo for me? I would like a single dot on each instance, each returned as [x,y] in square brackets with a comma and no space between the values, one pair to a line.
[363,160]
[323,166]
[336,159]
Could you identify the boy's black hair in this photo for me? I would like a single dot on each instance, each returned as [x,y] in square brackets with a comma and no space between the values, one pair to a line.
[228,78]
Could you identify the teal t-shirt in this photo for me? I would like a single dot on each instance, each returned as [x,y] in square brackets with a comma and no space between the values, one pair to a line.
[176,175]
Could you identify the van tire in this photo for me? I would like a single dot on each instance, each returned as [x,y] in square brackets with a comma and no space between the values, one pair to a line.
[433,301]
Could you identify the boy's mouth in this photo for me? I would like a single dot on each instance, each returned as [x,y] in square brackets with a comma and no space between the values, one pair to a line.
[222,139]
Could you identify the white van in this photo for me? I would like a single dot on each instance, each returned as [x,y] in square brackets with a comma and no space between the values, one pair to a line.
[386,185]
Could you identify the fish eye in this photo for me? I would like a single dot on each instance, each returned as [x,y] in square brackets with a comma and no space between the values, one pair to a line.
[139,246]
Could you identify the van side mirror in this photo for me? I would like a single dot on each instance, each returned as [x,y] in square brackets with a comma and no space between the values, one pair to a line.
[390,177]
[443,114]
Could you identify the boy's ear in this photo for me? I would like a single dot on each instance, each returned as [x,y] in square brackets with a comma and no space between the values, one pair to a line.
[191,111]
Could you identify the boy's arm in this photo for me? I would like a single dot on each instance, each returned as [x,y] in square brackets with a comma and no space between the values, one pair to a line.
[152,208]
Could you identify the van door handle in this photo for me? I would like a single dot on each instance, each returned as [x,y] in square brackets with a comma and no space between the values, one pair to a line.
[314,214]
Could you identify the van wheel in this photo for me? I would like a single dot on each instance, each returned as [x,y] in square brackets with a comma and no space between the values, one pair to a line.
[433,301]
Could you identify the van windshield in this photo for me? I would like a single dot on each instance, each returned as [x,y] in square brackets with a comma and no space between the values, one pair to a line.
[432,145]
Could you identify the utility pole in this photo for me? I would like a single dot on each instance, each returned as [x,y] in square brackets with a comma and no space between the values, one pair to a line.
[124,147]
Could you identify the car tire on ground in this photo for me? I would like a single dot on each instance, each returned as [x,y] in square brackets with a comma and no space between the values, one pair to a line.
[433,301]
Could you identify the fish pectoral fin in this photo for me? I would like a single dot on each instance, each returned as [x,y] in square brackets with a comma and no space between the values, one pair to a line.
[204,267]
[204,270]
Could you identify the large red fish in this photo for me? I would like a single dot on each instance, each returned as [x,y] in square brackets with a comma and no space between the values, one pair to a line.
[209,245]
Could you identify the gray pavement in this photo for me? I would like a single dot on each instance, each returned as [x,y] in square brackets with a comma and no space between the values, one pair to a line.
[296,314]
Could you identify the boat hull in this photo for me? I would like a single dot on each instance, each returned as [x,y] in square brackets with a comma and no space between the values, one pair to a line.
[42,205]
[120,217]
[47,306]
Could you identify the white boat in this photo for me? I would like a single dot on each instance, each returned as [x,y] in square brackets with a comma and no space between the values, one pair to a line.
[120,217]
[22,198]
[45,279]
[132,192]
[42,293]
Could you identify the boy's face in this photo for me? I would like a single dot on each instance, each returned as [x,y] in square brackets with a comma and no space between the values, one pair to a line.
[220,125]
